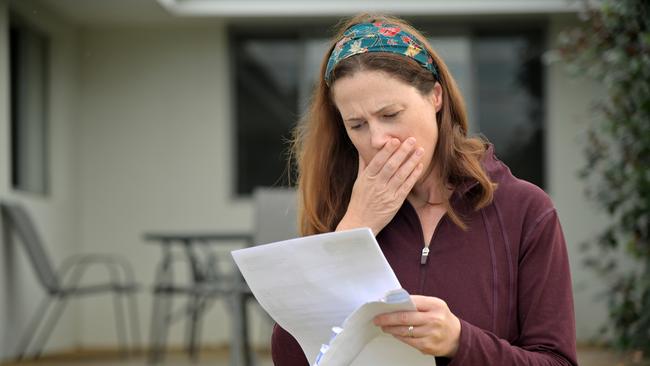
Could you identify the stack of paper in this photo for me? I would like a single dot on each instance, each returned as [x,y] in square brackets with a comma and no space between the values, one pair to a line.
[339,281]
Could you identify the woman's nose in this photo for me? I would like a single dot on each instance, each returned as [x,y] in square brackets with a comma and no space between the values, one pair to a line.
[378,136]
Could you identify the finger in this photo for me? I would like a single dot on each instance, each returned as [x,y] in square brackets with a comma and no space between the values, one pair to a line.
[406,169]
[397,159]
[378,161]
[402,331]
[428,303]
[409,183]
[399,318]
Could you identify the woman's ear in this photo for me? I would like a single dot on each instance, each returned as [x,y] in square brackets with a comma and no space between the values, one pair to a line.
[436,95]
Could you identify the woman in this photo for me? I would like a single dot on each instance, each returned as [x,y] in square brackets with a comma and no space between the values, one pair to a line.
[384,145]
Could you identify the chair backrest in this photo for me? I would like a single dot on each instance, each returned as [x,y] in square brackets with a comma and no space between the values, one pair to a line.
[275,214]
[16,219]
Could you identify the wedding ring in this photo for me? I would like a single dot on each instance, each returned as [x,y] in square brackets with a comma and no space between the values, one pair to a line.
[410,331]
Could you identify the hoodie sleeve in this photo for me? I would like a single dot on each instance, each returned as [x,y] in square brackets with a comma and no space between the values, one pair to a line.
[285,350]
[544,307]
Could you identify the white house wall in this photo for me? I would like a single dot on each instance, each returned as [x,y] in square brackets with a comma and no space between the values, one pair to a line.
[155,134]
[55,214]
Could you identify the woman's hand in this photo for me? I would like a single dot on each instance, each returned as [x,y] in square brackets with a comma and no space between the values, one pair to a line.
[436,330]
[383,185]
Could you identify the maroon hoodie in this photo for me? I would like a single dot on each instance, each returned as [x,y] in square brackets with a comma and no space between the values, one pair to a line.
[506,277]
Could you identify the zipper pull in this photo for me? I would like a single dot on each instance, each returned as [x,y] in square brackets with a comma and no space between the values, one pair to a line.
[425,255]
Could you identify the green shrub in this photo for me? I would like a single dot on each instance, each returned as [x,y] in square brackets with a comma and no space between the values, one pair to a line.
[613,46]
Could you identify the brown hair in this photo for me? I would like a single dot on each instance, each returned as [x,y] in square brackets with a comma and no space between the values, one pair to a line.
[327,161]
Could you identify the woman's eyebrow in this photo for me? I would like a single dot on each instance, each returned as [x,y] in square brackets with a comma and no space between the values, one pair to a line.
[379,111]
[388,106]
[352,119]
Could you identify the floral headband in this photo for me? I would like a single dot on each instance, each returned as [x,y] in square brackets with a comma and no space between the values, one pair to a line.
[379,37]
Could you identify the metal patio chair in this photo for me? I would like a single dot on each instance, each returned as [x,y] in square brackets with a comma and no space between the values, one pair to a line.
[65,282]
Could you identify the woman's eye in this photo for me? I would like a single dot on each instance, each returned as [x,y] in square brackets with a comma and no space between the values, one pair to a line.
[391,115]
[357,126]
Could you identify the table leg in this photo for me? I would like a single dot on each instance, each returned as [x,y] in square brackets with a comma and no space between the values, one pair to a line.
[240,354]
[161,308]
[196,305]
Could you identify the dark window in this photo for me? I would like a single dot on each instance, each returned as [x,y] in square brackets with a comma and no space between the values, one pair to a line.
[266,100]
[28,50]
[509,108]
[274,75]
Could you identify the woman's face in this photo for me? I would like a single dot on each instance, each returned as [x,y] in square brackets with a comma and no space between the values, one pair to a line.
[376,107]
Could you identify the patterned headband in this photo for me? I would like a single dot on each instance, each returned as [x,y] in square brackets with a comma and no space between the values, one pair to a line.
[379,37]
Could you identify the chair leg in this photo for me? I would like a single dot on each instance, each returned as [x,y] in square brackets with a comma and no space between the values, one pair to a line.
[197,308]
[190,324]
[160,323]
[205,304]
[28,333]
[120,326]
[199,326]
[49,325]
[135,323]
[154,334]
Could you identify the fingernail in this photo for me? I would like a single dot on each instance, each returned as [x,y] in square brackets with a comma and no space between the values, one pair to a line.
[419,152]
[410,141]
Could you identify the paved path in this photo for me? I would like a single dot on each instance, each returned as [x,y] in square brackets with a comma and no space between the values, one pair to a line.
[586,357]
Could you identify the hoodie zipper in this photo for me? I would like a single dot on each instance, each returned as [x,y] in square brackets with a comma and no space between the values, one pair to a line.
[425,254]
[424,257]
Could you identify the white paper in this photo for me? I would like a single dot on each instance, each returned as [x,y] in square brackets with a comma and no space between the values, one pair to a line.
[309,285]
